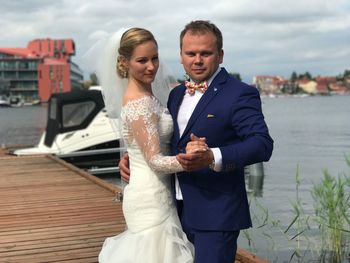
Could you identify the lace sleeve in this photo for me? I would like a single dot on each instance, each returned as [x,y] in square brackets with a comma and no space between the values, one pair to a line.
[142,116]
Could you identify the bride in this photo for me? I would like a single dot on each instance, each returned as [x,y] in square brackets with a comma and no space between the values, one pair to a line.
[154,232]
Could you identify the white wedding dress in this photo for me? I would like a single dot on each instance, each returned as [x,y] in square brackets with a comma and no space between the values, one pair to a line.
[154,232]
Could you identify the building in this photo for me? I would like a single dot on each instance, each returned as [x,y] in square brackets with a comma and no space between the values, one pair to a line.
[307,85]
[41,69]
[268,84]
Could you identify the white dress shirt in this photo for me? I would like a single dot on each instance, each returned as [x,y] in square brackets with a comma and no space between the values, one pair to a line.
[186,109]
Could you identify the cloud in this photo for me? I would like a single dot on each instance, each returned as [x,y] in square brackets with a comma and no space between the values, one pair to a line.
[267,36]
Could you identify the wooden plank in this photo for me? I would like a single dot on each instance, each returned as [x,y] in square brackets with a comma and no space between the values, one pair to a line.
[244,256]
[54,213]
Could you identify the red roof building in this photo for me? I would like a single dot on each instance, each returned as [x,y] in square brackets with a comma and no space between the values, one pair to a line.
[41,69]
[268,84]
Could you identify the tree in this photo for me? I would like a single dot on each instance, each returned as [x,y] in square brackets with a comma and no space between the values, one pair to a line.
[181,81]
[305,75]
[308,75]
[94,79]
[293,77]
[236,75]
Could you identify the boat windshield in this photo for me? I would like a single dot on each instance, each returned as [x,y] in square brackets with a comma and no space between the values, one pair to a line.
[76,113]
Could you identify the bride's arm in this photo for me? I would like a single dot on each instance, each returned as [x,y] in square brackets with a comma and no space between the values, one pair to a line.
[143,121]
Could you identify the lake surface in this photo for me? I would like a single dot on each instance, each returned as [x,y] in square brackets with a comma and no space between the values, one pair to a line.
[312,132]
[22,125]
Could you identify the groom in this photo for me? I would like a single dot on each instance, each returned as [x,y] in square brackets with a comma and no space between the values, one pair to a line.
[211,194]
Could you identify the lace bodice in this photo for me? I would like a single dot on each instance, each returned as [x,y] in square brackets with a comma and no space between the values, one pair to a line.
[147,126]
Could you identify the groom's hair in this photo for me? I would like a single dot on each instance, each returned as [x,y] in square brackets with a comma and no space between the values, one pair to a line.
[202,27]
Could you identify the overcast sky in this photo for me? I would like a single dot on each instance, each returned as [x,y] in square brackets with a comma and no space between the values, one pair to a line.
[263,37]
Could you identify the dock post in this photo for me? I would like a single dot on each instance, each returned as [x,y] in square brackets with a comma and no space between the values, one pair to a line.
[256,178]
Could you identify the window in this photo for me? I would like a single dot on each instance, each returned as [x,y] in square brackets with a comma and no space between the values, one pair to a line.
[75,114]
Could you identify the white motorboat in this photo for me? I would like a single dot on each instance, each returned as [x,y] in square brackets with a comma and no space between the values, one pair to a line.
[4,101]
[79,131]
[16,101]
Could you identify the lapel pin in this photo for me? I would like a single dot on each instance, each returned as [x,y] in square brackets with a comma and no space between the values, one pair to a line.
[210,116]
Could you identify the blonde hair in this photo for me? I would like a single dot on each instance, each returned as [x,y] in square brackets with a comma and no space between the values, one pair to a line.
[131,38]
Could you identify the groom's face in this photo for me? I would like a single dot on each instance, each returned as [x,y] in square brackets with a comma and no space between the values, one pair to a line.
[200,56]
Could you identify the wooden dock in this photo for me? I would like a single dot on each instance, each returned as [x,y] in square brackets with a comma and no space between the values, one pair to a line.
[51,211]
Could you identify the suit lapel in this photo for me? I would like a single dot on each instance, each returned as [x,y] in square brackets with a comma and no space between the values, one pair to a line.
[214,88]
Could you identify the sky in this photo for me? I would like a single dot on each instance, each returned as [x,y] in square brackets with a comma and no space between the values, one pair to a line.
[264,37]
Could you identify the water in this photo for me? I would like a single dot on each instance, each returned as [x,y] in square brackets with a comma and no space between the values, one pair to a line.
[312,132]
[23,125]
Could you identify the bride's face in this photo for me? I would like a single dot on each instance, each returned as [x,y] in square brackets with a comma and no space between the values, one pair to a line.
[144,63]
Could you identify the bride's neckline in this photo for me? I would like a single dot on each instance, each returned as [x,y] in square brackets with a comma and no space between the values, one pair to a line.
[135,100]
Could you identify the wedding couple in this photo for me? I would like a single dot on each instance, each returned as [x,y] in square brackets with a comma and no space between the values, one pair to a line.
[206,135]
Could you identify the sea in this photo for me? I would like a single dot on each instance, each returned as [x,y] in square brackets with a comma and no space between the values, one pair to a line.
[311,135]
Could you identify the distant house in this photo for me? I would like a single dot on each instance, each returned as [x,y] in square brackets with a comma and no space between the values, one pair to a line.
[274,85]
[309,86]
[287,86]
[324,83]
[41,69]
[322,88]
[339,88]
[347,81]
[268,84]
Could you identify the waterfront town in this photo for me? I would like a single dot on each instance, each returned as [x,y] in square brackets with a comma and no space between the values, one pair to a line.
[32,74]
[303,84]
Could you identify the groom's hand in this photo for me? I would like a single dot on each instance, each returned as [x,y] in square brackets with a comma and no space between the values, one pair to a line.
[124,168]
[196,144]
[195,161]
[198,155]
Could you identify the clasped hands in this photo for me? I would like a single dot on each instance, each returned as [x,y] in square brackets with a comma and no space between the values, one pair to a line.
[198,155]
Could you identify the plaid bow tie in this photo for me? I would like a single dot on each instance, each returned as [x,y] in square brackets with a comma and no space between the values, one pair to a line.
[192,87]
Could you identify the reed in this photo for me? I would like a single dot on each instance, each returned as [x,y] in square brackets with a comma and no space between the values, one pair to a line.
[331,203]
[330,216]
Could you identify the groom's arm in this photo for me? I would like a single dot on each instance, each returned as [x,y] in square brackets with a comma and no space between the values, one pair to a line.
[254,144]
[247,120]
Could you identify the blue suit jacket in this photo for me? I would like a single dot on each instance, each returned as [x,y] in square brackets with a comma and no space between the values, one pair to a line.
[229,116]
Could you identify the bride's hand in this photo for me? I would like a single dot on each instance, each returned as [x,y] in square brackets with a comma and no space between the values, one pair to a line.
[196,145]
